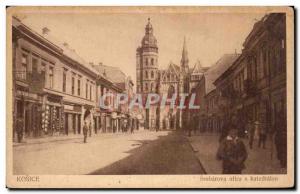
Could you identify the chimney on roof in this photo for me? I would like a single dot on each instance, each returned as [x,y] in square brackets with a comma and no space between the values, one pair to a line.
[46,31]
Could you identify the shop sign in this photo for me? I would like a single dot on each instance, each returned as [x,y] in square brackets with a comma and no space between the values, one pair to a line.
[27,94]
[68,107]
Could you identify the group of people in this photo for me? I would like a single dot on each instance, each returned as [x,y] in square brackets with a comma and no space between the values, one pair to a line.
[232,150]
[127,124]
[253,128]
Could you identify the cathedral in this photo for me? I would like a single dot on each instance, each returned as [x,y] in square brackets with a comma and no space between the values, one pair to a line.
[174,79]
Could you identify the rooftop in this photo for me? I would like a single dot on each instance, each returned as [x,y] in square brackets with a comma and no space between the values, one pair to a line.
[217,69]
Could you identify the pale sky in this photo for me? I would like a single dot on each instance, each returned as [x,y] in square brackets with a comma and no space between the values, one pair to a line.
[113,38]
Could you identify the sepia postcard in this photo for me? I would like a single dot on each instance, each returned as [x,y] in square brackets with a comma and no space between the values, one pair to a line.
[150,97]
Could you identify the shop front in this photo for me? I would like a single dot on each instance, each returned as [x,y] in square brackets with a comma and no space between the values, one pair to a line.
[28,109]
[72,118]
[97,121]
[52,115]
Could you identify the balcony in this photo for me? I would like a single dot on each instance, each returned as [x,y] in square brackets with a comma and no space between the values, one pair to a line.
[34,79]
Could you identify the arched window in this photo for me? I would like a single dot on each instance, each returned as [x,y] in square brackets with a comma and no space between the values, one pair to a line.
[171,91]
[152,74]
[146,74]
[146,61]
[152,61]
[146,86]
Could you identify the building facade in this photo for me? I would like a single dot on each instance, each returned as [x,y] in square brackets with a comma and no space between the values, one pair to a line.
[254,87]
[211,117]
[54,90]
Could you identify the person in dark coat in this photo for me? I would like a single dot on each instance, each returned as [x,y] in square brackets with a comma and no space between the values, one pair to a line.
[85,131]
[19,129]
[132,125]
[262,135]
[233,153]
[250,132]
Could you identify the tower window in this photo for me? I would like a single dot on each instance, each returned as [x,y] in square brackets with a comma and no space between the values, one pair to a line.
[146,61]
[152,61]
[146,74]
[152,74]
[146,86]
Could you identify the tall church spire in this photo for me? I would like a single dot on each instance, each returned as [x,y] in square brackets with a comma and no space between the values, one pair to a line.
[184,57]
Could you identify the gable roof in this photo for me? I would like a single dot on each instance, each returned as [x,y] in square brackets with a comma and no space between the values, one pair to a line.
[198,68]
[172,69]
[217,69]
[113,74]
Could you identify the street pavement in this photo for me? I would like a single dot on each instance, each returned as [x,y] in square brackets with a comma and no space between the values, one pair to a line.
[144,152]
[259,161]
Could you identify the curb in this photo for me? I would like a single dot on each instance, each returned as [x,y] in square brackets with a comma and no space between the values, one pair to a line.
[198,159]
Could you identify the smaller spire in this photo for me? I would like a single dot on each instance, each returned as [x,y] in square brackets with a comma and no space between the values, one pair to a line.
[184,43]
[184,57]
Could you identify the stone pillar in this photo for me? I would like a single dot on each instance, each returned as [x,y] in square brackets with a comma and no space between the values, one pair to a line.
[76,123]
[82,118]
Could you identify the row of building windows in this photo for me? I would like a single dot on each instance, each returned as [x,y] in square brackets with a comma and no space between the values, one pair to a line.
[35,61]
[147,74]
[268,60]
[149,61]
[148,87]
[151,85]
[170,77]
[46,68]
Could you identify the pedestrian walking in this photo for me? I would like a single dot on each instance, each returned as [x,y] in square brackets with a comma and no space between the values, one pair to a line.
[85,131]
[19,129]
[90,129]
[233,153]
[132,126]
[262,136]
[250,132]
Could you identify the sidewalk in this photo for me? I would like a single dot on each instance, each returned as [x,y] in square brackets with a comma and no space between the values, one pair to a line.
[57,138]
[259,160]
